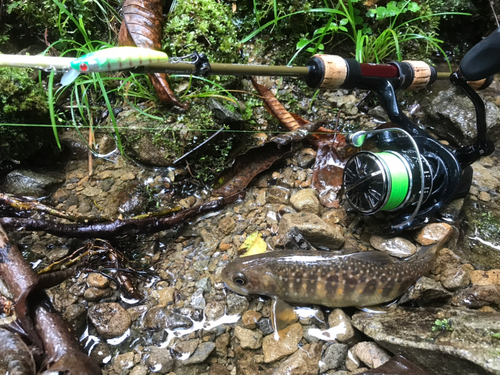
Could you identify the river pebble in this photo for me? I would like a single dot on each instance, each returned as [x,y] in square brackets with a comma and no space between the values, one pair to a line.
[123,362]
[371,354]
[186,348]
[303,362]
[95,294]
[97,280]
[101,353]
[456,278]
[159,360]
[201,353]
[110,319]
[478,277]
[426,291]
[236,304]
[265,326]
[397,247]
[249,339]
[287,344]
[477,296]
[315,230]
[215,310]
[433,233]
[278,194]
[306,200]
[306,157]
[160,318]
[340,322]
[197,300]
[250,319]
[333,357]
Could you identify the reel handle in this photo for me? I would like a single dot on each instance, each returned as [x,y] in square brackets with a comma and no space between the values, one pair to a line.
[483,59]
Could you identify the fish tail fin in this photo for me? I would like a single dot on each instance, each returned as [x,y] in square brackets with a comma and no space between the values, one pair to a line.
[69,77]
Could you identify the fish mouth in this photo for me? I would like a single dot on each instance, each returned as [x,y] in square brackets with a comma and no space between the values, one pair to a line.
[237,290]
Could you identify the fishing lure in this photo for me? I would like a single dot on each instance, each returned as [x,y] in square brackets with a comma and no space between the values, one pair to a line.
[111,59]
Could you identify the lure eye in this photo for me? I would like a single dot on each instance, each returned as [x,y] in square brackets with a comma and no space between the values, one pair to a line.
[239,279]
[84,67]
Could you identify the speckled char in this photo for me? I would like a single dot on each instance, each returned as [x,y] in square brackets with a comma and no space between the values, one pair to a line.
[361,279]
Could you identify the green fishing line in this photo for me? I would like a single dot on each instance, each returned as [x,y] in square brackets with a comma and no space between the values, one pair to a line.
[398,178]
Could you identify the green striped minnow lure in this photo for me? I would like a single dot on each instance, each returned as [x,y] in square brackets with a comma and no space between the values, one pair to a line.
[112,59]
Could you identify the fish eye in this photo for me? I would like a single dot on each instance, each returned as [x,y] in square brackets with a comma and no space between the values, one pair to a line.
[239,279]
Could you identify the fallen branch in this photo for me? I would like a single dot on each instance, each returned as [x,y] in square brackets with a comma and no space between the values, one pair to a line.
[117,227]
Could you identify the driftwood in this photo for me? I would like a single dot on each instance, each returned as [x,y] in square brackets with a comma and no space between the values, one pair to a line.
[117,227]
[47,330]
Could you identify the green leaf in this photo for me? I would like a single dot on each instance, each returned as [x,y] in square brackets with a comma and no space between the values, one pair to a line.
[344,21]
[302,43]
[413,7]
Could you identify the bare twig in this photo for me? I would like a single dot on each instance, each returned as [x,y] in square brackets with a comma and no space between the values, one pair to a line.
[117,227]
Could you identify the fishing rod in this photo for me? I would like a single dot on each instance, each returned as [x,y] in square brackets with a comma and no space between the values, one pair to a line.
[407,176]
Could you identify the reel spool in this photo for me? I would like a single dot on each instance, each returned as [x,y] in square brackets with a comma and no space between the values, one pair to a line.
[397,177]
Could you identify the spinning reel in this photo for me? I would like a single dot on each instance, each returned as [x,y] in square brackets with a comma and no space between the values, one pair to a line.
[412,175]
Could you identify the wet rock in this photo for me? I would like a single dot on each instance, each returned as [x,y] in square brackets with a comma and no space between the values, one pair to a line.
[455,278]
[468,349]
[165,295]
[123,362]
[278,194]
[201,353]
[477,296]
[214,310]
[452,210]
[221,344]
[160,318]
[29,183]
[236,304]
[159,360]
[222,114]
[287,344]
[250,319]
[371,354]
[249,339]
[139,370]
[445,259]
[352,361]
[315,230]
[333,357]
[96,294]
[306,158]
[185,348]
[97,280]
[294,240]
[453,114]
[306,200]
[340,323]
[425,292]
[76,314]
[56,254]
[334,216]
[197,300]
[433,233]
[397,247]
[217,369]
[302,362]
[266,326]
[101,353]
[110,319]
[485,277]
[204,284]
[227,225]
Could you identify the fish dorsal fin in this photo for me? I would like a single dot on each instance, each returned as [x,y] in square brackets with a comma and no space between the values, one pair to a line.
[373,257]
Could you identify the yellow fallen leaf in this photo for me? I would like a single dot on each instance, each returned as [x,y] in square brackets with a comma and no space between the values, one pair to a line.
[254,244]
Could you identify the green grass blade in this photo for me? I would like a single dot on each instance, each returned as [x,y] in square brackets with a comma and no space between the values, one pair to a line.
[52,113]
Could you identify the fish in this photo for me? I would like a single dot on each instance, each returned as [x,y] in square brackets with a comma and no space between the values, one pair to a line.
[318,277]
[112,59]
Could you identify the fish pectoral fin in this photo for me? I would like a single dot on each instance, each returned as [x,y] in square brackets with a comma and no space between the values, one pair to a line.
[282,315]
[379,309]
[69,77]
[374,257]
